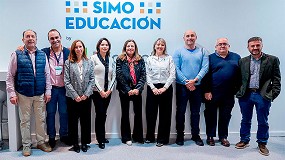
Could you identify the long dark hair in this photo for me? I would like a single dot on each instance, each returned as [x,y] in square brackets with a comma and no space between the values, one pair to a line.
[99,43]
[72,55]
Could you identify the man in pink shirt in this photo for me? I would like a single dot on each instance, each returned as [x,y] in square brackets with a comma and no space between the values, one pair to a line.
[57,55]
[28,85]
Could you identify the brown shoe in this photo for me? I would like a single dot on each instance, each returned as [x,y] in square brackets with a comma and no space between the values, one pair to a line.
[263,150]
[44,147]
[225,142]
[242,145]
[210,141]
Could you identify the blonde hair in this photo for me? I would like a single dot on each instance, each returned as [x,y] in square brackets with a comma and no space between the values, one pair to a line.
[153,48]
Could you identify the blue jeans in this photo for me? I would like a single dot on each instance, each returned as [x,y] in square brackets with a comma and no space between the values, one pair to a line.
[183,95]
[57,102]
[262,107]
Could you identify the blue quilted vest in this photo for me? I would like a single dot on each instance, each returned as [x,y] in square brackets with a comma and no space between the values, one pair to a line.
[26,83]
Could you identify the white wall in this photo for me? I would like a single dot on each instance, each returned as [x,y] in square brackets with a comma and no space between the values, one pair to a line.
[236,20]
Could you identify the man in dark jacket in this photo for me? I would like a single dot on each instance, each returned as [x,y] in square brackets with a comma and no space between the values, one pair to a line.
[260,85]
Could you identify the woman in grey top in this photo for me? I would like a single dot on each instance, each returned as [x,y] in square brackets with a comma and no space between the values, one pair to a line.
[160,73]
[79,83]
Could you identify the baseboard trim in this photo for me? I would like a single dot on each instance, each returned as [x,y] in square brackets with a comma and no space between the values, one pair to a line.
[187,135]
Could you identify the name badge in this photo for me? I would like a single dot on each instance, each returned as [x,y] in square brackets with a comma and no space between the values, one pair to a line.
[58,70]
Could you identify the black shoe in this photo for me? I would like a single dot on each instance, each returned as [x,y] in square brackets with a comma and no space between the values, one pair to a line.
[76,148]
[149,141]
[210,141]
[51,142]
[159,144]
[101,145]
[198,140]
[106,141]
[84,147]
[141,141]
[65,140]
[180,140]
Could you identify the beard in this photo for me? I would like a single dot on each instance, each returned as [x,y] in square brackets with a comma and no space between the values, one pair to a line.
[255,52]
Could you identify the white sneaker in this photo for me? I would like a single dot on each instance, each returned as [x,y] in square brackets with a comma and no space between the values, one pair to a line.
[129,143]
[26,151]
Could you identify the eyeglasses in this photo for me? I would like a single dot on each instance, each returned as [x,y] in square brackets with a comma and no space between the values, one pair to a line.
[222,44]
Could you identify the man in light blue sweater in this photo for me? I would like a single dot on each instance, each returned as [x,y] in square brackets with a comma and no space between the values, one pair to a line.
[191,66]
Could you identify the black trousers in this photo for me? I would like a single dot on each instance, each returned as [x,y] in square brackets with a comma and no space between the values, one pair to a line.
[79,111]
[225,106]
[101,106]
[125,120]
[163,104]
[183,95]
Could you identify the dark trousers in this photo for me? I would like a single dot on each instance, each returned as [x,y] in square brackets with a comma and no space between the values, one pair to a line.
[183,95]
[163,103]
[225,106]
[79,111]
[125,120]
[101,106]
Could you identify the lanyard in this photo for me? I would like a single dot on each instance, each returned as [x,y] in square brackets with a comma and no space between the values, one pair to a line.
[57,58]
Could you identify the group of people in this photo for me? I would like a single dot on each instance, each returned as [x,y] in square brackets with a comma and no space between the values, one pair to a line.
[58,78]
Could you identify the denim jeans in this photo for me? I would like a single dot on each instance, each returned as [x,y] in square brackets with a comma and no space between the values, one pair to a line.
[57,102]
[183,95]
[262,107]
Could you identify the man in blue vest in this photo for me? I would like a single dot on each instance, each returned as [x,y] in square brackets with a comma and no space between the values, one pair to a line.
[29,88]
[57,55]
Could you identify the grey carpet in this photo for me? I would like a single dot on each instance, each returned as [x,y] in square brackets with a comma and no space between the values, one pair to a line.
[115,150]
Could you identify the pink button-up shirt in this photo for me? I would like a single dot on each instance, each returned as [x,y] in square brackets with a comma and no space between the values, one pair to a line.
[56,80]
[12,69]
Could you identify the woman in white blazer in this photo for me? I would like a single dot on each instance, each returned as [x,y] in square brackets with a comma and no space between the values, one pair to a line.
[105,75]
[79,83]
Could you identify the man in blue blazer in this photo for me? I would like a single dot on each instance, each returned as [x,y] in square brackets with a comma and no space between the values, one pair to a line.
[260,85]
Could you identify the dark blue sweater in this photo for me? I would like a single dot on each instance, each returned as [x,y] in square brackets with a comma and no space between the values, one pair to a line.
[222,79]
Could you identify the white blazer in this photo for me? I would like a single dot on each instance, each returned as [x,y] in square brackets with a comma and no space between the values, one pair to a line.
[99,70]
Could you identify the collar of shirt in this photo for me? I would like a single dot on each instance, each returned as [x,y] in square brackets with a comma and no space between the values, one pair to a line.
[51,50]
[217,54]
[159,57]
[29,52]
[253,59]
